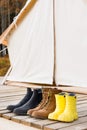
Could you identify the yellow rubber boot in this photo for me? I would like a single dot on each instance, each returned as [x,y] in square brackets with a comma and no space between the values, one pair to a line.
[70,113]
[60,106]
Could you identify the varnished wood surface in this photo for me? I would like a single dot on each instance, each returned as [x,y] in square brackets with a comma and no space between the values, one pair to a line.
[12,95]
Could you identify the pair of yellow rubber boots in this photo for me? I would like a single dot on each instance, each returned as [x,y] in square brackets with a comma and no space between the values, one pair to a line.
[65,110]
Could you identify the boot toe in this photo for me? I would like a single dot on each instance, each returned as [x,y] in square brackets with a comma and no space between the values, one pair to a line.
[66,118]
[40,114]
[29,112]
[20,111]
[11,107]
[53,116]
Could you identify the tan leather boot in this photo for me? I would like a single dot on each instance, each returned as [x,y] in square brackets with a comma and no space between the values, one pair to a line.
[49,106]
[45,93]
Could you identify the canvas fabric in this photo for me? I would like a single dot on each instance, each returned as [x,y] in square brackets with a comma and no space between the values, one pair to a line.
[71,42]
[31,46]
[32,49]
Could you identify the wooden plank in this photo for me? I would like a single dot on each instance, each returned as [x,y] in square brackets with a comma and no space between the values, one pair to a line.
[12,91]
[42,123]
[11,94]
[81,95]
[82,109]
[3,112]
[8,115]
[10,99]
[82,126]
[6,87]
[26,85]
[81,106]
[83,113]
[13,98]
[10,125]
[29,121]
[10,88]
[61,125]
[81,99]
[82,102]
[2,108]
[80,90]
[4,105]
[18,118]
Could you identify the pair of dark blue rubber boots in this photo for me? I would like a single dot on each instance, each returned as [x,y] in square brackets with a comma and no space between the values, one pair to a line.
[29,101]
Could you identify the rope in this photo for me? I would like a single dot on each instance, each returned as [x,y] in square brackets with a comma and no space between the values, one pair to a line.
[14,21]
[3,50]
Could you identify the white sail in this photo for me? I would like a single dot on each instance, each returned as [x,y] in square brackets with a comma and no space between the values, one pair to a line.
[31,46]
[71,42]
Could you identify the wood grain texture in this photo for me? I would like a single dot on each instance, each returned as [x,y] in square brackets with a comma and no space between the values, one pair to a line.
[11,95]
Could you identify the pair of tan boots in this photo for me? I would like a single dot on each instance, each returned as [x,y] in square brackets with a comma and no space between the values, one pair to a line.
[56,105]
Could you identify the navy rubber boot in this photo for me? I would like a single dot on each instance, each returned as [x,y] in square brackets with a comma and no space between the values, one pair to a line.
[22,102]
[32,103]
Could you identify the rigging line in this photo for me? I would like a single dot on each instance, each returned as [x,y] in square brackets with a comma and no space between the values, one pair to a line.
[3,49]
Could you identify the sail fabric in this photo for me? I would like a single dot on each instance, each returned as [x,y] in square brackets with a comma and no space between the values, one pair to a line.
[71,42]
[31,46]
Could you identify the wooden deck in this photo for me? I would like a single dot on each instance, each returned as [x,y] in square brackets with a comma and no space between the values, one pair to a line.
[11,125]
[11,95]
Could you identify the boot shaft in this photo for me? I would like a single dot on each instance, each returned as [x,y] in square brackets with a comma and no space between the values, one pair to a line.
[28,90]
[60,101]
[45,92]
[51,103]
[71,103]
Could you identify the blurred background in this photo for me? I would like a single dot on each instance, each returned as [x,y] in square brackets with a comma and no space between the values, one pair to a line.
[8,10]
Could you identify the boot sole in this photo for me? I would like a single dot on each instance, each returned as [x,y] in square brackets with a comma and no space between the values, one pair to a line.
[39,117]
